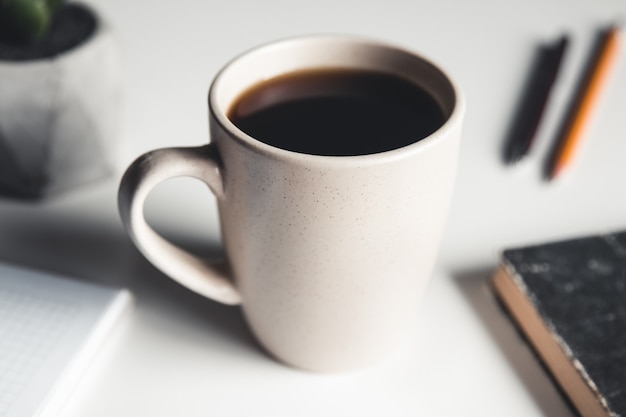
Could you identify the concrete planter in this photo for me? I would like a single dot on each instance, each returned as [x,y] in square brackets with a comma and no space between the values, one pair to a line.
[60,117]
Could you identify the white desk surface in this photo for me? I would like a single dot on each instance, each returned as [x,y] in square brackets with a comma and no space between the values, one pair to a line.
[181,355]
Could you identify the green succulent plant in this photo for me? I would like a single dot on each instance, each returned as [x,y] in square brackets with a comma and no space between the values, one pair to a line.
[26,20]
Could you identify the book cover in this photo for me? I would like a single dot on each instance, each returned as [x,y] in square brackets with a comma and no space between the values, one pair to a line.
[569,300]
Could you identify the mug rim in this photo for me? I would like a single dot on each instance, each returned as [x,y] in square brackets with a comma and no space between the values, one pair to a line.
[253,144]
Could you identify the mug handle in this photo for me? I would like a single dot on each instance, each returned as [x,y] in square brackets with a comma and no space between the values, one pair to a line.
[146,172]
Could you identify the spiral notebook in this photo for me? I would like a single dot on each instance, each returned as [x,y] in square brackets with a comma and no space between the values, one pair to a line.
[50,329]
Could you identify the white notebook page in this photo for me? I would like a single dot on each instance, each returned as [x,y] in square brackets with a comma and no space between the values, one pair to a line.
[50,327]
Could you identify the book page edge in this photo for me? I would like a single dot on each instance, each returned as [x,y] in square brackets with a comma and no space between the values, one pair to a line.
[552,350]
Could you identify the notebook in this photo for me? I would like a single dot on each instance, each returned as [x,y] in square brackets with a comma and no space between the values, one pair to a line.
[50,328]
[569,299]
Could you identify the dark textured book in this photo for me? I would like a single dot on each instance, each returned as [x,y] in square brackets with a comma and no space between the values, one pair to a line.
[569,300]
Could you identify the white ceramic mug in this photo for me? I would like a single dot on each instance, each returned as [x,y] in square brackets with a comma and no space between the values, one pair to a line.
[328,256]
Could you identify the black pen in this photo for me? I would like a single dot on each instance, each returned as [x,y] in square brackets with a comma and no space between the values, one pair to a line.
[533,103]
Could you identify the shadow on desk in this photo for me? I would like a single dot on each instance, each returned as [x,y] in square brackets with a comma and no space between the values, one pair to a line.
[89,251]
[473,284]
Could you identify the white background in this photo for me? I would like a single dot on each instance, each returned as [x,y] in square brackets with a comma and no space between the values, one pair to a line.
[181,355]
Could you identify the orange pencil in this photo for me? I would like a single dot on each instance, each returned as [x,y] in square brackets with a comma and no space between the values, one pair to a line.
[580,117]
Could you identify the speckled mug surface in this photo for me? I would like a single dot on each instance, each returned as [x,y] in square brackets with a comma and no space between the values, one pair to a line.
[327,255]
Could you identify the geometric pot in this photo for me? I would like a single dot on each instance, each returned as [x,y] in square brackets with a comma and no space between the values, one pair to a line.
[60,116]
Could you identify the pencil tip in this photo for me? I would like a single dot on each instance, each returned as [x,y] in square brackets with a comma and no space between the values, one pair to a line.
[554,171]
[515,152]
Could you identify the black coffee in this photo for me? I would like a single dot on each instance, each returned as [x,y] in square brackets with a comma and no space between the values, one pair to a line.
[337,112]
